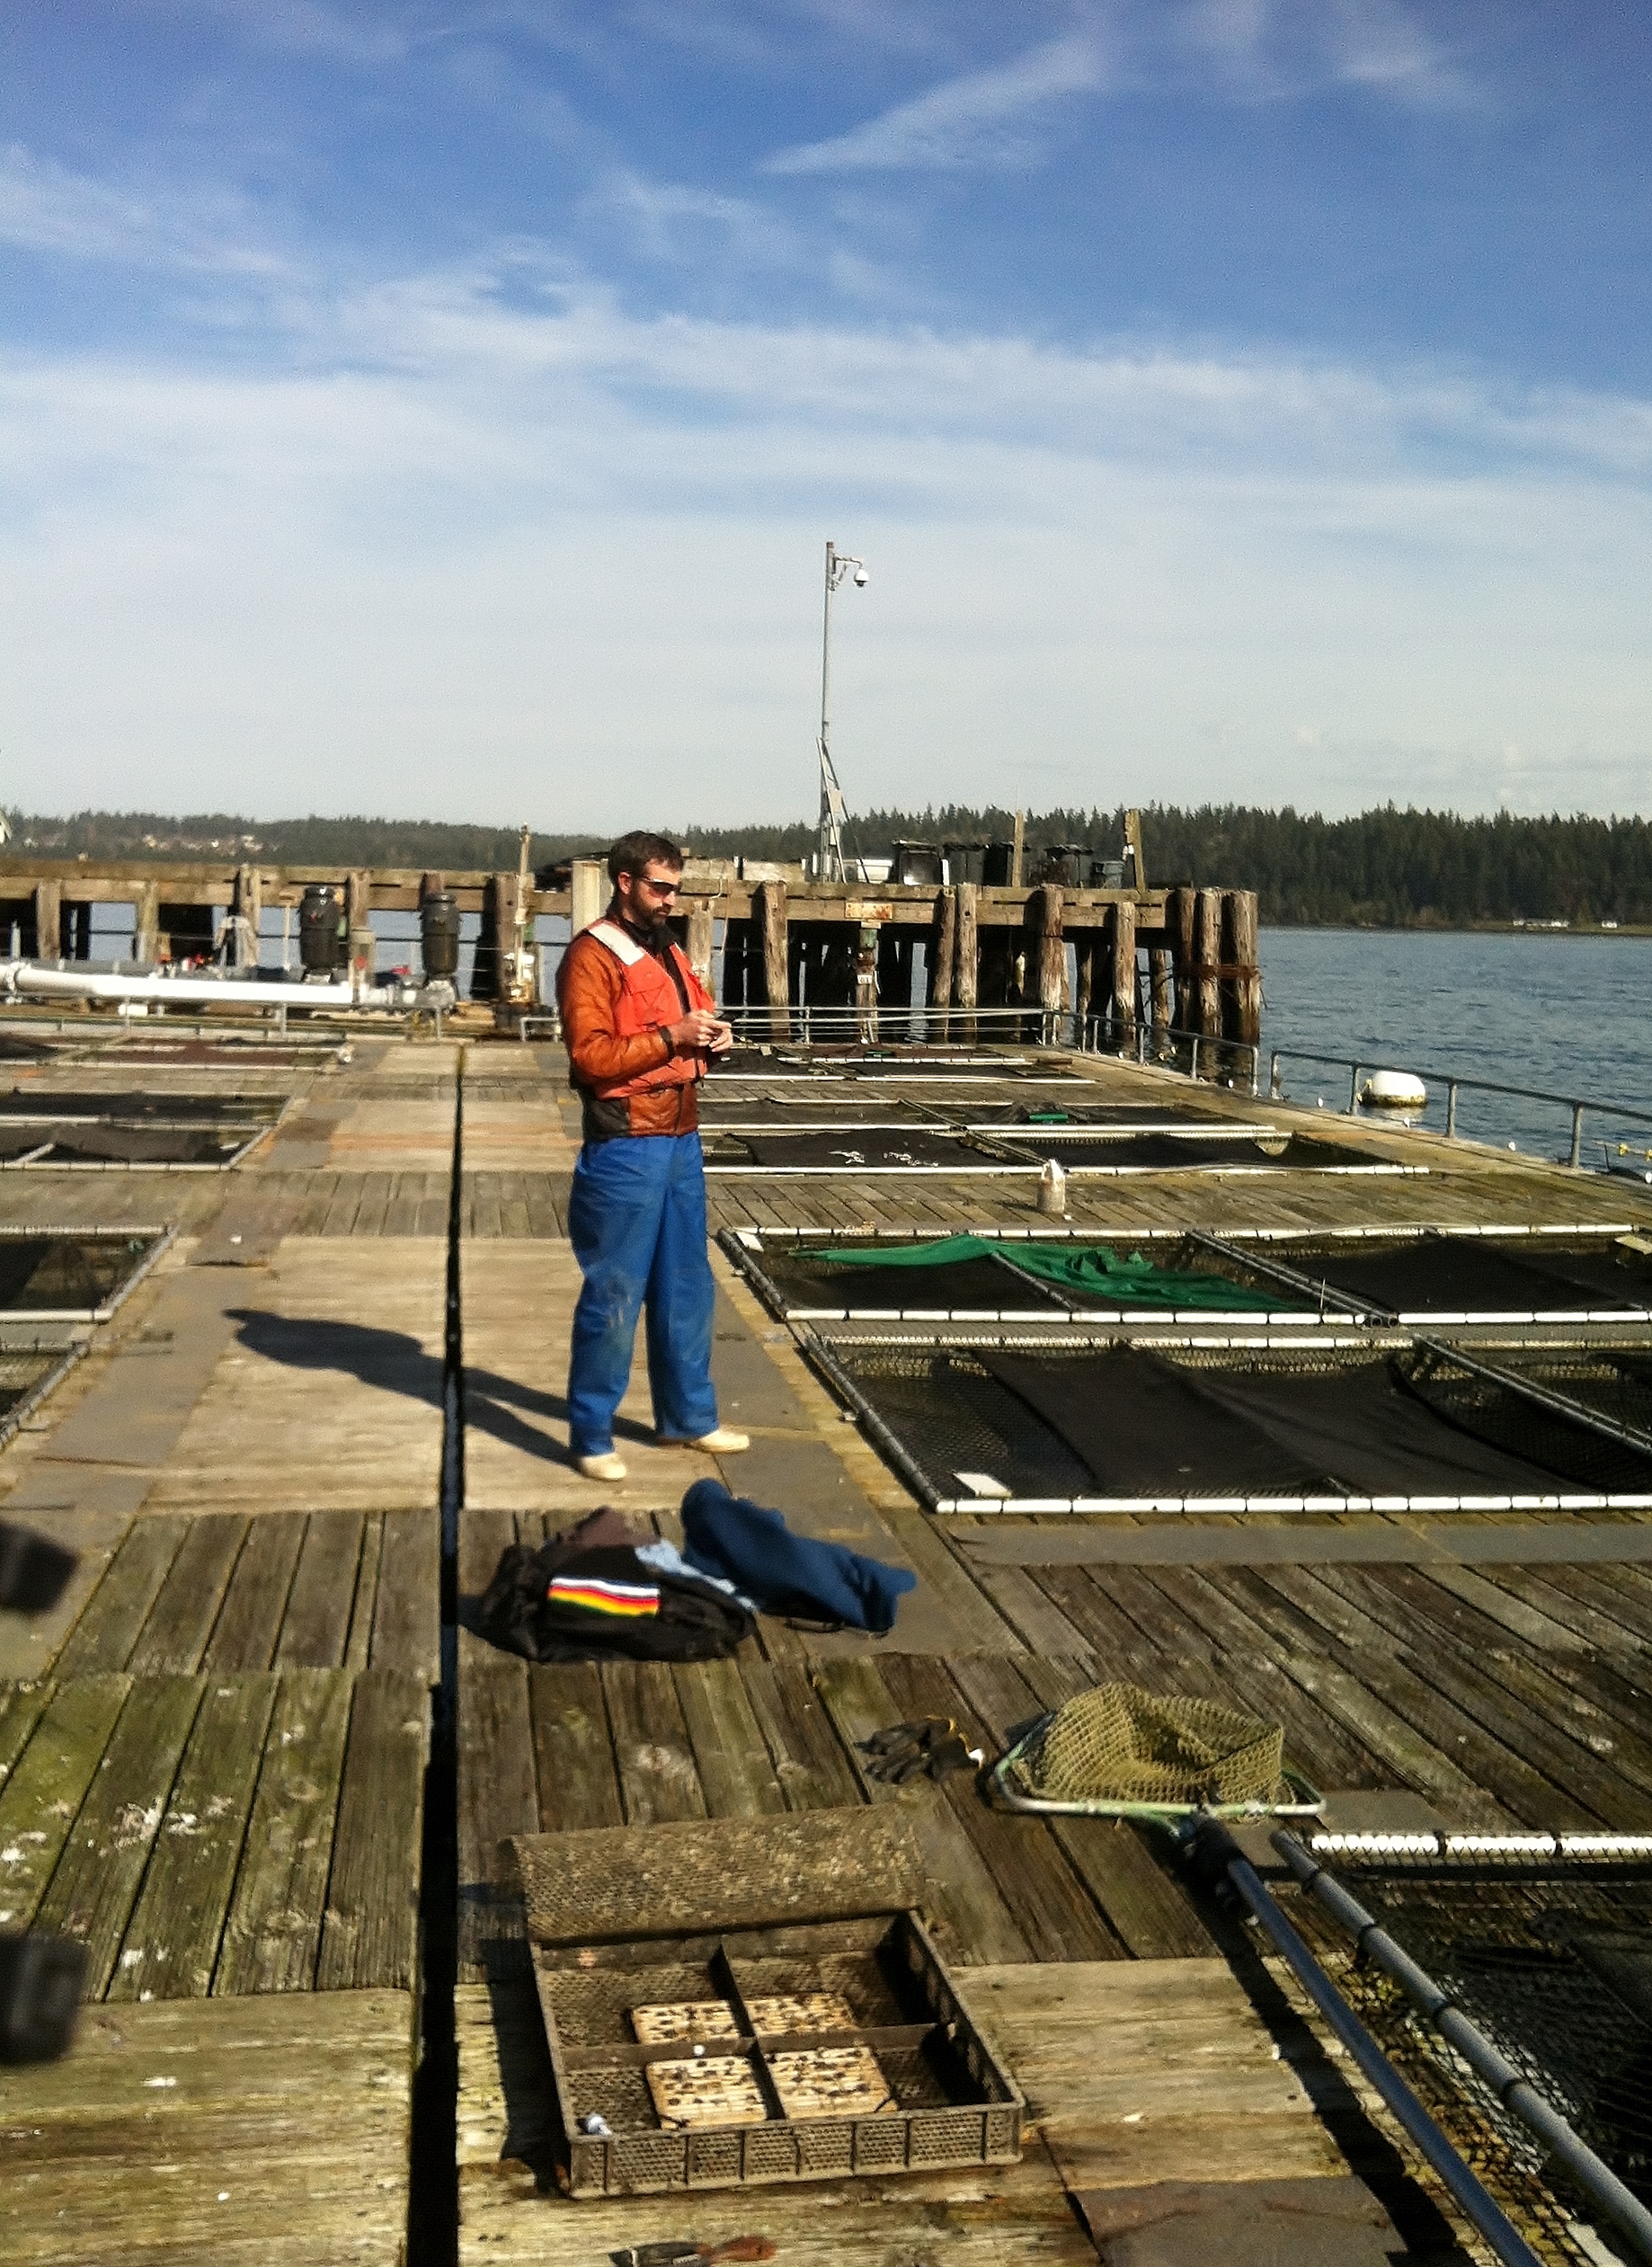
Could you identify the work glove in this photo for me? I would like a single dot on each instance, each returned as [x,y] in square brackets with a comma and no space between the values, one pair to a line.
[930,1747]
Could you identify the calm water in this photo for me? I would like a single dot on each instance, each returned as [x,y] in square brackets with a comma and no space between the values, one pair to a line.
[1570,1015]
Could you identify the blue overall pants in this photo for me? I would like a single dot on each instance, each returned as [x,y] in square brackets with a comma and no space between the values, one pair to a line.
[637,1221]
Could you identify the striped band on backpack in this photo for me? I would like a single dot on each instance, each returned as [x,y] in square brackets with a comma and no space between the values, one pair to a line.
[600,1597]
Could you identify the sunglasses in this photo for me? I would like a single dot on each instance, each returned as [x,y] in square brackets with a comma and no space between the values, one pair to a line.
[660,889]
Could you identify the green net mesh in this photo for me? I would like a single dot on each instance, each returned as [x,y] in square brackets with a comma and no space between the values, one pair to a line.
[1128,1278]
[1118,1744]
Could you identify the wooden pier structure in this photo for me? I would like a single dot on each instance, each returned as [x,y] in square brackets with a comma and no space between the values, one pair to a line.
[1177,958]
[259,1763]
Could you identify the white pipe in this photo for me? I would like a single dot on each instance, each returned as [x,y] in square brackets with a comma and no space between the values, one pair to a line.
[27,977]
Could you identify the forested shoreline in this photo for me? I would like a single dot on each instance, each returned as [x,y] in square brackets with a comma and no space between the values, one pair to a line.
[1388,867]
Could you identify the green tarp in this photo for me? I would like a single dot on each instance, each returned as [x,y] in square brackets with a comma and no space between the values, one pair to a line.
[1126,1280]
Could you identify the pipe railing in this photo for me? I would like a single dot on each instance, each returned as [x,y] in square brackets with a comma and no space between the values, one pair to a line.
[1624,2211]
[1161,1045]
[1219,1860]
[1357,1066]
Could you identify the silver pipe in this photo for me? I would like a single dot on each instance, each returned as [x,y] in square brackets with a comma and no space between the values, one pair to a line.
[1598,2180]
[28,979]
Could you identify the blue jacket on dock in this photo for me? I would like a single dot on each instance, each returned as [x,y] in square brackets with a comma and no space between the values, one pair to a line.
[783,1573]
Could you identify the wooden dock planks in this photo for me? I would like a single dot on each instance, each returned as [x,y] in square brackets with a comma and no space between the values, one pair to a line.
[256,1655]
[226,2132]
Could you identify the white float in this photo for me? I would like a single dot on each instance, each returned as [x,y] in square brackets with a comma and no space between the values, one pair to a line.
[1393,1091]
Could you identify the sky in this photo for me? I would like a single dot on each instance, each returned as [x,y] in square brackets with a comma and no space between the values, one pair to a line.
[441,411]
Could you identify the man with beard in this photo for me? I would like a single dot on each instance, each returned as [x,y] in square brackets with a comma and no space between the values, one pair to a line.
[639,1026]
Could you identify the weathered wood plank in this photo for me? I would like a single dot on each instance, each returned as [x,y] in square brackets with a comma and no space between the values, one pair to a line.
[180,1621]
[45,1787]
[1189,2075]
[1119,1647]
[272,1934]
[244,1637]
[1524,1712]
[1151,1912]
[573,1754]
[407,1612]
[497,1798]
[116,1611]
[1050,1905]
[974,1622]
[247,2132]
[97,1879]
[971,1917]
[1406,1753]
[658,1779]
[359,1644]
[316,1623]
[369,1936]
[20,1707]
[813,1771]
[1037,1620]
[729,1748]
[171,1944]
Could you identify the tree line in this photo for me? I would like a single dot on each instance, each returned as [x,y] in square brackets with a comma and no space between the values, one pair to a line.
[1388,867]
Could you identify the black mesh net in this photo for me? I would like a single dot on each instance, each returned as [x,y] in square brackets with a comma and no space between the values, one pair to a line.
[1170,1152]
[954,1416]
[1553,1964]
[20,1373]
[1133,1422]
[1123,1115]
[807,1278]
[1466,1274]
[855,1152]
[783,1110]
[136,1109]
[56,1273]
[1498,1414]
[1614,1382]
[142,1145]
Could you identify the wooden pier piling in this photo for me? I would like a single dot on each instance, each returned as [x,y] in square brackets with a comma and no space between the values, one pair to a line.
[1207,958]
[770,920]
[1242,977]
[1122,935]
[789,944]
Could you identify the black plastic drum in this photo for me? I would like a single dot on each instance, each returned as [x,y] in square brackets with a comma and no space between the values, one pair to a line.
[439,932]
[322,923]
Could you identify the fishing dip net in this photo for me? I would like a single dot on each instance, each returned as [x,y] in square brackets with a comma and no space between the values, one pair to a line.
[1116,1747]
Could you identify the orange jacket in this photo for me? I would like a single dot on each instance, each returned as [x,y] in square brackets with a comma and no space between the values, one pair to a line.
[616,998]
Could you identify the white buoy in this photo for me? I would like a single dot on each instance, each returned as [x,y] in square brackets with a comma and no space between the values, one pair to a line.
[1393,1091]
[1053,1189]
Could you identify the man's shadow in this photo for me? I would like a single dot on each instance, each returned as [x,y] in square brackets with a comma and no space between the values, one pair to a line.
[395,1362]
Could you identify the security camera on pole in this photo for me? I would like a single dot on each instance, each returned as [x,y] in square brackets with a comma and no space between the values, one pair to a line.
[829,861]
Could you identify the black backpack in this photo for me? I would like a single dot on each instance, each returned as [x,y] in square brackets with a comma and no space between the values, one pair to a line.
[554,1604]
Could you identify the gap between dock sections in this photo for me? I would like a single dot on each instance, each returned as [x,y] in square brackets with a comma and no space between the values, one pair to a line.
[432,2189]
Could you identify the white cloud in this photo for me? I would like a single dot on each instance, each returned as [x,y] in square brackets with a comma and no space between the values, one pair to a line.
[307,27]
[985,117]
[514,552]
[44,207]
[1293,50]
[671,220]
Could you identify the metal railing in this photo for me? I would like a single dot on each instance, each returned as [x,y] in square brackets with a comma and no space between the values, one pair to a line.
[1358,1066]
[1206,1054]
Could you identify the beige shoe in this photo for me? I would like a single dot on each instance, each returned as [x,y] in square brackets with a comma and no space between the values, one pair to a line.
[606,1467]
[723,1442]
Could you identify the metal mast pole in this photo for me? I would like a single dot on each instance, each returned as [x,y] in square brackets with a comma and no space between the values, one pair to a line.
[833,812]
[830,847]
